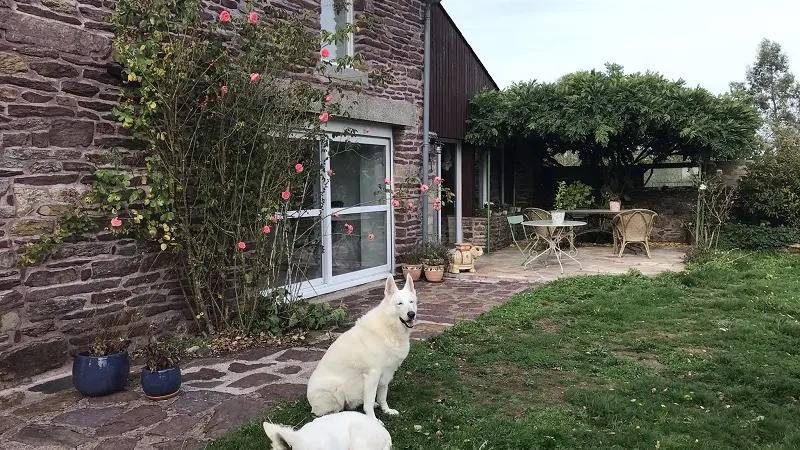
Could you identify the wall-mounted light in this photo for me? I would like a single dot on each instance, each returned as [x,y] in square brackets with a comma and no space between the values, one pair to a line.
[438,148]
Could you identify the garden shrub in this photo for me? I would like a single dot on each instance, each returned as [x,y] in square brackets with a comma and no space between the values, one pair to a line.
[757,237]
[770,191]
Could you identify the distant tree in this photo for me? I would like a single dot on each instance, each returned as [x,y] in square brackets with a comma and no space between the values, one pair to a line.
[774,89]
[615,121]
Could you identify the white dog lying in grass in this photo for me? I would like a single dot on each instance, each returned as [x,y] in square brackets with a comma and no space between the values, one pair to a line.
[358,366]
[342,431]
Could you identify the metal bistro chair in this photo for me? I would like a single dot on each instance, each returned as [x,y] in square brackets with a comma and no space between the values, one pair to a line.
[517,220]
[633,227]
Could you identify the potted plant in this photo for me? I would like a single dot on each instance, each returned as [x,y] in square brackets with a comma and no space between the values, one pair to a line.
[613,199]
[411,262]
[103,369]
[436,259]
[161,376]
[570,197]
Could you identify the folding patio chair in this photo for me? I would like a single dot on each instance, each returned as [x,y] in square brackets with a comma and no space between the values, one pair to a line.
[517,220]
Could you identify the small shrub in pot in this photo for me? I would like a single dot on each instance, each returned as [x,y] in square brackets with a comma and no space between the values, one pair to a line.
[161,376]
[411,262]
[104,368]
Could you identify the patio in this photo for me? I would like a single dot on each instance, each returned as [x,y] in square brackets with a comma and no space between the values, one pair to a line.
[506,264]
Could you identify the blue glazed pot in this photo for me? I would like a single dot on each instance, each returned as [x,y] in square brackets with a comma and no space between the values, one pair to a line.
[96,376]
[161,385]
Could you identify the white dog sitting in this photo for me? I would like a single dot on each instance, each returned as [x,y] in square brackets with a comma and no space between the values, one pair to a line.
[358,366]
[343,431]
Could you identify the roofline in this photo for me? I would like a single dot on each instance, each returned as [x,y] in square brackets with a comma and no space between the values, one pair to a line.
[460,34]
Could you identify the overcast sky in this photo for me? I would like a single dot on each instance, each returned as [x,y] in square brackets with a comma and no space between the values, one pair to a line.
[705,42]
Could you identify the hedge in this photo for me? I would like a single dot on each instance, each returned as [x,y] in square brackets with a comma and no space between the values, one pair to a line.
[754,237]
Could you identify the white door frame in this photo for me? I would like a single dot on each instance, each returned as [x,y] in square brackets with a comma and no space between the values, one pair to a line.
[367,133]
[458,187]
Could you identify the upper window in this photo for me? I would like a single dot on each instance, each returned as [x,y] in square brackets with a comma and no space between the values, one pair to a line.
[337,14]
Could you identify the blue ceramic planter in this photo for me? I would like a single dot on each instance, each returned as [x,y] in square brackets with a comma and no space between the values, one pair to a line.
[161,385]
[96,376]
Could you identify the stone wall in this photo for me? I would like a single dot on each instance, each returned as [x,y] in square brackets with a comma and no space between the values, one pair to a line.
[474,232]
[674,208]
[57,92]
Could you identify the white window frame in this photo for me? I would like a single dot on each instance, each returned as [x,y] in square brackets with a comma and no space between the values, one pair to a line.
[350,18]
[377,135]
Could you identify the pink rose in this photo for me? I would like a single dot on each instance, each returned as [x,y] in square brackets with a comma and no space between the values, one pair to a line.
[224,89]
[366,130]
[115,222]
[387,181]
[437,206]
[410,205]
[396,203]
[325,52]
[252,18]
[241,245]
[254,77]
[424,188]
[437,180]
[324,117]
[437,200]
[266,229]
[335,214]
[225,16]
[371,237]
[298,167]
[285,195]
[330,172]
[328,98]
[349,228]
[273,219]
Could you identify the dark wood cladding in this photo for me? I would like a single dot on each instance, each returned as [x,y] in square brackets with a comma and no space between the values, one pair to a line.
[456,75]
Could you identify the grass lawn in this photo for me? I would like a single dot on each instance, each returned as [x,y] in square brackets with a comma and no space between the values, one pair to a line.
[704,359]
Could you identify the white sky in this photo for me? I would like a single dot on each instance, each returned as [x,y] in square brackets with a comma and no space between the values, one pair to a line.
[705,42]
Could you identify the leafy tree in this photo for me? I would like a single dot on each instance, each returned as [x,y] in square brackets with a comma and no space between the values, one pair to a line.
[774,89]
[615,121]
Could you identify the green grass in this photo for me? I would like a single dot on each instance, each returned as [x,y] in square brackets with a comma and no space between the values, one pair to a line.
[704,359]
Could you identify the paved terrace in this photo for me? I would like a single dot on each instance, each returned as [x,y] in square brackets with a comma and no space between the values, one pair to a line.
[220,394]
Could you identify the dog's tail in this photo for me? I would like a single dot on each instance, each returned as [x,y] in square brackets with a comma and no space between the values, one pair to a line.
[282,437]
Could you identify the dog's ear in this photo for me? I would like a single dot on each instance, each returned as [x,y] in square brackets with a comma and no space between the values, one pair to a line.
[391,287]
[282,438]
[409,284]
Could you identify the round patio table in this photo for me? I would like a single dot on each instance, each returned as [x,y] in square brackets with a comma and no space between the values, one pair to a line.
[552,233]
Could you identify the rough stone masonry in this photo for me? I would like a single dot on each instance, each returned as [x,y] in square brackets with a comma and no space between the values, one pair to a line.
[56,127]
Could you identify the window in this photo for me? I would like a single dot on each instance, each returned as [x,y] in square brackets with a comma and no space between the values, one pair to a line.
[336,14]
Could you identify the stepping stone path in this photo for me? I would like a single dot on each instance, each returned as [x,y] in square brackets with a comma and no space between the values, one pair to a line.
[218,394]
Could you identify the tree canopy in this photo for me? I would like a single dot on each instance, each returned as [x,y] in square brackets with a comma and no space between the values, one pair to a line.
[615,120]
[775,91]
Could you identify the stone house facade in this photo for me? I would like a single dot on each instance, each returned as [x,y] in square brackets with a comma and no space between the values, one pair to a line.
[57,91]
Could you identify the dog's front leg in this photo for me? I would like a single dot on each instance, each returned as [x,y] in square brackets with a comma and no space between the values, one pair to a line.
[383,391]
[371,380]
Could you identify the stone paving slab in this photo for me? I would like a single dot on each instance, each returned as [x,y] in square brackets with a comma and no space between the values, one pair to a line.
[218,394]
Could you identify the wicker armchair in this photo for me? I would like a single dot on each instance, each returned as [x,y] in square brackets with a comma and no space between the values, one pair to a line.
[633,227]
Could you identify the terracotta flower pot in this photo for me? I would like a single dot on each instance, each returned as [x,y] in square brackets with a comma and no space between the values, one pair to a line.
[434,273]
[415,270]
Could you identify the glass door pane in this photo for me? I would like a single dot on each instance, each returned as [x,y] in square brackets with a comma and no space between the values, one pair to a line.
[301,262]
[448,174]
[363,248]
[360,235]
[359,171]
